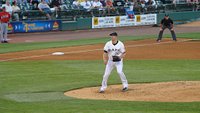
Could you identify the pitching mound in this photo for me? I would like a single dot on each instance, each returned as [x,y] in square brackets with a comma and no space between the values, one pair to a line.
[181,91]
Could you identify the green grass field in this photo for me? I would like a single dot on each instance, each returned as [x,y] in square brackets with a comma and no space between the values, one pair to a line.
[38,86]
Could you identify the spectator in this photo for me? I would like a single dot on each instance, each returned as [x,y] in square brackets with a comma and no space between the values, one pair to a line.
[35,6]
[8,7]
[151,2]
[103,2]
[76,4]
[44,7]
[48,2]
[109,6]
[16,11]
[98,5]
[86,5]
[55,6]
[19,2]
[34,2]
[151,5]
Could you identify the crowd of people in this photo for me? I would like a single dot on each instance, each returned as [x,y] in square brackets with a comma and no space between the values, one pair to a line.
[49,7]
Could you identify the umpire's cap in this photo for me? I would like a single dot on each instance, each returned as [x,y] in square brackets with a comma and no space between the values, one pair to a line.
[113,34]
[166,15]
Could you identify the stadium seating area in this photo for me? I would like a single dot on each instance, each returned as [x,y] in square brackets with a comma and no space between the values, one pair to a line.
[68,10]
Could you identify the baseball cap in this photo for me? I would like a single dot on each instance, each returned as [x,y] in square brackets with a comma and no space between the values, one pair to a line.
[113,34]
[166,15]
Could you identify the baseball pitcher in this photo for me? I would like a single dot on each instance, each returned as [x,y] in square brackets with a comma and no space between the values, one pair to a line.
[114,52]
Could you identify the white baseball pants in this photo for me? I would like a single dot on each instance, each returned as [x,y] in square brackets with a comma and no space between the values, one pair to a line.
[109,67]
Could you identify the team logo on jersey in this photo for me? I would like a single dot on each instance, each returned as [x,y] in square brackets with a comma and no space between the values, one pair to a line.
[109,50]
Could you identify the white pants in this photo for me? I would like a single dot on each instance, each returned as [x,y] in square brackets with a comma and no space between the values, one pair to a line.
[4,31]
[109,67]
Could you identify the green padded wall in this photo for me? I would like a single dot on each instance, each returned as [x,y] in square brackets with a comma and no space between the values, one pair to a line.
[180,17]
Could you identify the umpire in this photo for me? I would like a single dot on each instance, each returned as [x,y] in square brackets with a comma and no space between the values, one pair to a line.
[166,22]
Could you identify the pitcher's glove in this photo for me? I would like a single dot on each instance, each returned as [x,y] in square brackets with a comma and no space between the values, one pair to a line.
[116,58]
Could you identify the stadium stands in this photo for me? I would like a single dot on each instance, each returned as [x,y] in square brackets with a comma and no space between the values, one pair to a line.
[68,11]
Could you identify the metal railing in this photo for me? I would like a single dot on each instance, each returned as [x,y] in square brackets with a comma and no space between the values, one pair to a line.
[72,14]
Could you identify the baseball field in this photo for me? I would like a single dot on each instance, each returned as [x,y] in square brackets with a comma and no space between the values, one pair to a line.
[164,77]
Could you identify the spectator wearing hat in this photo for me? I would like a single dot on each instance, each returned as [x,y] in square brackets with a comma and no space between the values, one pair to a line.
[166,22]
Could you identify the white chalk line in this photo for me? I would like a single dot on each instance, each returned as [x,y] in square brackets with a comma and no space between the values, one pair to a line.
[85,51]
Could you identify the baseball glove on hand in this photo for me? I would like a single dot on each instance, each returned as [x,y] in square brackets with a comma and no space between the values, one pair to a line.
[116,58]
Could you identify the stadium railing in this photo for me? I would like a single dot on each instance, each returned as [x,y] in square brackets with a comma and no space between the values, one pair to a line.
[71,14]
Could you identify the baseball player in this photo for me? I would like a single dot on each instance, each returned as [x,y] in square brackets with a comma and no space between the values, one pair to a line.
[166,23]
[114,52]
[4,18]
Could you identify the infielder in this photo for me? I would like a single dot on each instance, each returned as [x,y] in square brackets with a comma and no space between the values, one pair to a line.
[114,52]
[4,18]
[166,23]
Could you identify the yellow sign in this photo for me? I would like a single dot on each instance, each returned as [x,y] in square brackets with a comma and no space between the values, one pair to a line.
[138,18]
[96,21]
[117,19]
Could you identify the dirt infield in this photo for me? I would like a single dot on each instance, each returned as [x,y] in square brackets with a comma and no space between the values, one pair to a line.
[191,24]
[181,91]
[143,49]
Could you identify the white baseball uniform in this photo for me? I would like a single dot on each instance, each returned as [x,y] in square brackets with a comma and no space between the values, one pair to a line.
[114,50]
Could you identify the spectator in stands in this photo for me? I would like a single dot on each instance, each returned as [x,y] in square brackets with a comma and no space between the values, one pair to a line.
[55,6]
[19,2]
[86,5]
[129,4]
[48,2]
[44,7]
[8,7]
[143,8]
[16,11]
[109,6]
[76,4]
[35,6]
[103,2]
[150,4]
[98,5]
[34,2]
[79,1]
[194,3]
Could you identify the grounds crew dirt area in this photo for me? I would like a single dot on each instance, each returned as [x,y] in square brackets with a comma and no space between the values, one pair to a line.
[183,49]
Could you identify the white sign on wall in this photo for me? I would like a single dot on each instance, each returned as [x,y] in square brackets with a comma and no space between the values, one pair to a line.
[124,21]
[119,21]
[103,22]
[148,19]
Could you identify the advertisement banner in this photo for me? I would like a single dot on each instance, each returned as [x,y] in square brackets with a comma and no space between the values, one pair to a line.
[120,21]
[34,26]
[124,21]
[148,19]
[103,22]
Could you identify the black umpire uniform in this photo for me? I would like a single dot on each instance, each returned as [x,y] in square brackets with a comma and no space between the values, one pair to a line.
[166,23]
